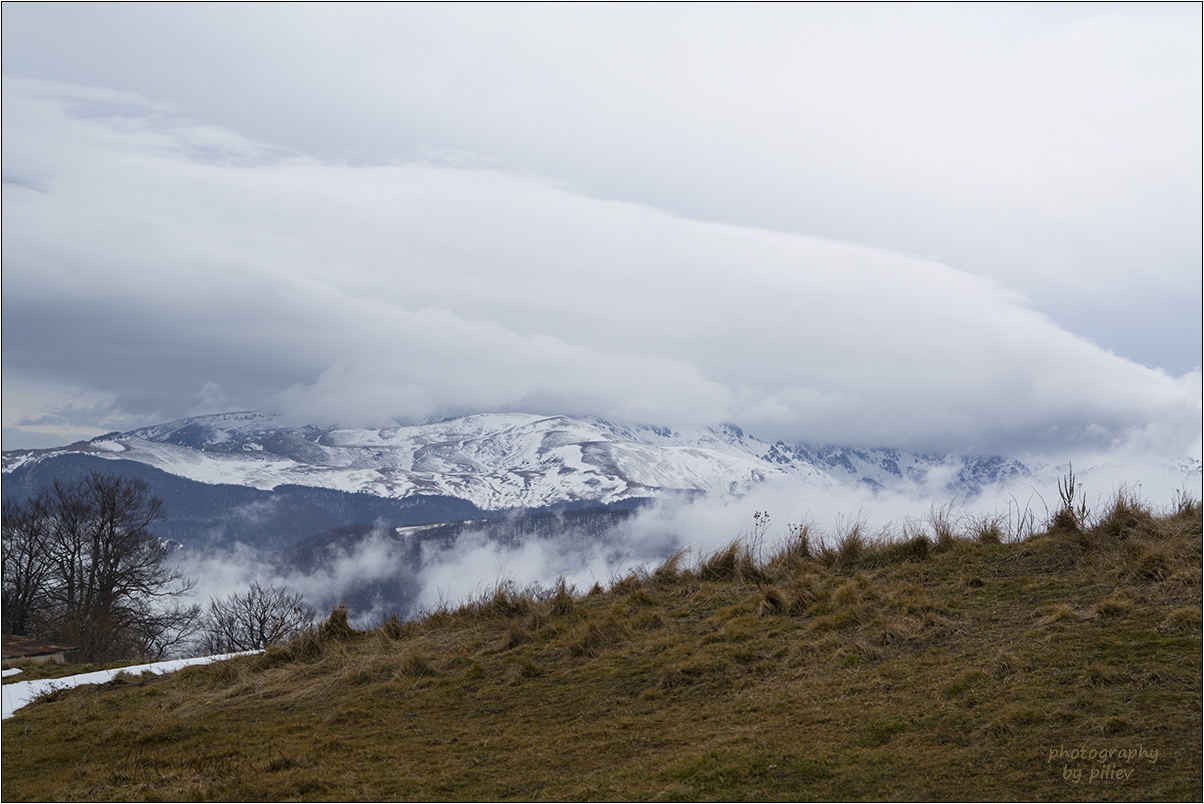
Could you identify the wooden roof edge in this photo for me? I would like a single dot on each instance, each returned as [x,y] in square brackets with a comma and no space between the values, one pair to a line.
[13,646]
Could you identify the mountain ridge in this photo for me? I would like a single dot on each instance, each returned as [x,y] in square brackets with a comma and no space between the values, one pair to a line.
[502,461]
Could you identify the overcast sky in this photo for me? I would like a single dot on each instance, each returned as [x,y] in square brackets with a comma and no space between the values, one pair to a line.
[970,228]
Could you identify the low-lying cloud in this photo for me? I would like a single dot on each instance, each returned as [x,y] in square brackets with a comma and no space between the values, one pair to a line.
[166,268]
[383,575]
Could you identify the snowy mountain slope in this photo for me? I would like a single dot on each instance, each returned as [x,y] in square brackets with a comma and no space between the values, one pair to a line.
[514,460]
[884,468]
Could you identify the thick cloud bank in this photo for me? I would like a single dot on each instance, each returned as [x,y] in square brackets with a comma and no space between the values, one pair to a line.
[154,268]
[1052,146]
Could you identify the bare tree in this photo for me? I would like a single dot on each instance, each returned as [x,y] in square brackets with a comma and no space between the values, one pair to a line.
[259,617]
[27,565]
[109,585]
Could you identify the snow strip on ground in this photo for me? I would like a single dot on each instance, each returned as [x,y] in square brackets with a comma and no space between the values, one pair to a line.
[20,693]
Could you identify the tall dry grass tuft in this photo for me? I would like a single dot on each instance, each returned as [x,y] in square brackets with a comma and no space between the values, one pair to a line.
[391,626]
[672,570]
[1185,620]
[885,551]
[773,602]
[630,582]
[594,636]
[803,592]
[1004,664]
[561,602]
[986,529]
[940,519]
[313,643]
[800,544]
[1126,514]
[794,556]
[737,562]
[721,565]
[852,547]
[1186,506]
[336,627]
[1072,513]
[417,665]
[516,635]
[503,601]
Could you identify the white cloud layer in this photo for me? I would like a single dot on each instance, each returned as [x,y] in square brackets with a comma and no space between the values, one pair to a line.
[161,268]
[473,565]
[1053,147]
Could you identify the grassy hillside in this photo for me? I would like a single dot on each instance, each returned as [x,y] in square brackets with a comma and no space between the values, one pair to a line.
[942,666]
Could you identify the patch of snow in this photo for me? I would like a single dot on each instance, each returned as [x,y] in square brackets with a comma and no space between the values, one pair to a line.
[21,693]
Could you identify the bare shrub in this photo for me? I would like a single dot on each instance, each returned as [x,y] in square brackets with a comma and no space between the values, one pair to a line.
[254,619]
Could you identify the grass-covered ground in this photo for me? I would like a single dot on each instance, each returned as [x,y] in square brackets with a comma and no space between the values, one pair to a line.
[948,666]
[32,671]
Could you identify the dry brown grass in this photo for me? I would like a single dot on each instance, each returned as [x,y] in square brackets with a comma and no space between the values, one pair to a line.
[944,666]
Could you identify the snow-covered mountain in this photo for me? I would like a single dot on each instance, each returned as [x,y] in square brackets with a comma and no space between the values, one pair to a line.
[514,460]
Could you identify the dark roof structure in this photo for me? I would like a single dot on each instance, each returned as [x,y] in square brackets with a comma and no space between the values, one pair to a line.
[22,647]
